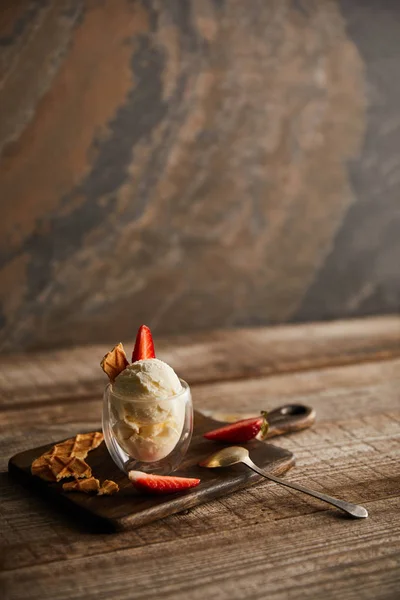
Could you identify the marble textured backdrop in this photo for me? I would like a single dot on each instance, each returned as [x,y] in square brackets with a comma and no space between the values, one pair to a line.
[194,164]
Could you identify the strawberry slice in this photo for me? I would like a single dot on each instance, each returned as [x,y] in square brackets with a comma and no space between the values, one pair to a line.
[160,484]
[241,431]
[144,345]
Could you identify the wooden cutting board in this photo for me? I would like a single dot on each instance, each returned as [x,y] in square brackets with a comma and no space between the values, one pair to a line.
[129,509]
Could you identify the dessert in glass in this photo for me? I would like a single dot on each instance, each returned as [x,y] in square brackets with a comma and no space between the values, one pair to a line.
[147,410]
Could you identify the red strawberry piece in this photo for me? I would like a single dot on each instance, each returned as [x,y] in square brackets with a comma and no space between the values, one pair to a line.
[144,345]
[160,484]
[241,431]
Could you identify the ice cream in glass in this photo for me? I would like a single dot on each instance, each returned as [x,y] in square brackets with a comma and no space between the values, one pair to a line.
[147,411]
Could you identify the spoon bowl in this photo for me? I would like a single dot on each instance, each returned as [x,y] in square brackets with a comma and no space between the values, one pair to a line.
[226,457]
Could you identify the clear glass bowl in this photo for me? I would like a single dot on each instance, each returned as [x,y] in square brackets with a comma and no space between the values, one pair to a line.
[147,435]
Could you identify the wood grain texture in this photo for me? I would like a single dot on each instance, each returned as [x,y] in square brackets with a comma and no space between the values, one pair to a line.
[129,509]
[263,538]
[65,375]
[190,164]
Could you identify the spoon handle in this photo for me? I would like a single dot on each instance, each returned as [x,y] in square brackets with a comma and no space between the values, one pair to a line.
[352,509]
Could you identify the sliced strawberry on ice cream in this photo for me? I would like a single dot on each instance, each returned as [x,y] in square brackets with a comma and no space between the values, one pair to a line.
[144,345]
[160,484]
[241,431]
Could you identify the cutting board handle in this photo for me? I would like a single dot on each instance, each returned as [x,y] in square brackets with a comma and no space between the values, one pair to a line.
[289,418]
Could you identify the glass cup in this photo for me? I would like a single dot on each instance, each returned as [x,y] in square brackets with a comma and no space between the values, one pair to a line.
[147,435]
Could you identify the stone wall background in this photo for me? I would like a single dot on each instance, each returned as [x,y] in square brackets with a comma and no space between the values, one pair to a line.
[194,164]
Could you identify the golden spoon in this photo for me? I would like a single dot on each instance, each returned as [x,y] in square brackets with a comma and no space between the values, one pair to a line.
[237,454]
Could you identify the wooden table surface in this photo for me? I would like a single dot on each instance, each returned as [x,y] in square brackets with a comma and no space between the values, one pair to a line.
[264,542]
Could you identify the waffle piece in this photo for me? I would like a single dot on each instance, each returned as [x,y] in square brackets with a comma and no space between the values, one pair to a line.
[114,362]
[108,488]
[79,446]
[88,486]
[54,468]
[49,465]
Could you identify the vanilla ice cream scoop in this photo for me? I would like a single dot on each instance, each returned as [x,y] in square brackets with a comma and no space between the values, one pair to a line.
[148,379]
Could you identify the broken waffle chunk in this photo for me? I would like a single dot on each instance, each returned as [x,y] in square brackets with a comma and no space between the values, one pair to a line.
[79,446]
[73,467]
[114,362]
[54,468]
[88,486]
[108,488]
[66,459]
